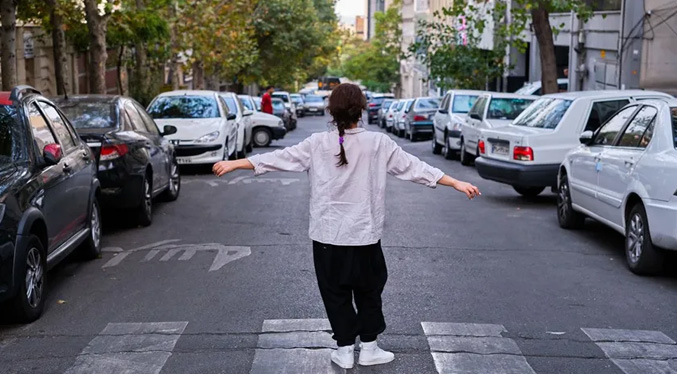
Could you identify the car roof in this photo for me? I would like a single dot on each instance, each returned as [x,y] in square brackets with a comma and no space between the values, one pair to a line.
[508,95]
[659,102]
[427,97]
[109,99]
[388,95]
[281,92]
[276,99]
[603,94]
[188,92]
[467,92]
[225,93]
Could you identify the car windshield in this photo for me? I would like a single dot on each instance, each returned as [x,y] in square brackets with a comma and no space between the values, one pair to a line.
[184,107]
[526,89]
[313,99]
[230,103]
[377,100]
[427,103]
[297,100]
[544,113]
[673,114]
[284,97]
[246,103]
[278,105]
[463,103]
[89,115]
[10,144]
[507,108]
[387,102]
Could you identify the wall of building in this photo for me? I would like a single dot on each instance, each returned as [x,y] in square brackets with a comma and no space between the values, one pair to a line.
[658,66]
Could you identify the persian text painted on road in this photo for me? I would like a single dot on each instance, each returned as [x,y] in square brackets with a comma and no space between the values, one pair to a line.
[168,249]
[213,182]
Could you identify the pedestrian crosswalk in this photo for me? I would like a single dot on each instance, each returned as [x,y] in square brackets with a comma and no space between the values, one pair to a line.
[304,346]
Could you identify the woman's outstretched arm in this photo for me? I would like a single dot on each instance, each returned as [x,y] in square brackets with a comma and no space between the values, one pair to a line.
[225,167]
[465,187]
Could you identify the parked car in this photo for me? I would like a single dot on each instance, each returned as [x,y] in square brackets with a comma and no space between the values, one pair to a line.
[419,120]
[401,116]
[315,105]
[265,127]
[300,104]
[491,110]
[243,121]
[136,162]
[288,103]
[448,120]
[392,112]
[206,132]
[48,198]
[618,177]
[280,111]
[534,88]
[382,112]
[374,105]
[527,153]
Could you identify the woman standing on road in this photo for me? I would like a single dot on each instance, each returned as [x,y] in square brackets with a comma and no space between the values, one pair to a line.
[347,169]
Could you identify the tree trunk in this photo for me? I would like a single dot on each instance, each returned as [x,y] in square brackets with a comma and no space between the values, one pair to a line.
[198,75]
[121,87]
[141,74]
[60,57]
[8,62]
[96,26]
[174,41]
[546,45]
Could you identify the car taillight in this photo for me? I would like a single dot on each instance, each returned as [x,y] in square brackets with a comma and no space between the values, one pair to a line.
[113,151]
[523,153]
[480,145]
[372,105]
[420,118]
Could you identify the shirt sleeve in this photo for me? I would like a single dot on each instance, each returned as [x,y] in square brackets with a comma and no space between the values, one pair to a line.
[294,158]
[407,167]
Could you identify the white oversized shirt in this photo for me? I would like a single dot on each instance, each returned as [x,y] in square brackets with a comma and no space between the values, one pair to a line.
[347,203]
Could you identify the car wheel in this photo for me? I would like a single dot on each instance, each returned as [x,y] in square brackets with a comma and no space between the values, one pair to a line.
[437,149]
[91,248]
[242,153]
[174,186]
[144,213]
[262,137]
[528,191]
[466,158]
[642,257]
[447,152]
[27,305]
[568,218]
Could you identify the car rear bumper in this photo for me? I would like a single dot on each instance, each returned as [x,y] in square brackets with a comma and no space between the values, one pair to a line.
[373,114]
[517,174]
[278,132]
[422,127]
[662,218]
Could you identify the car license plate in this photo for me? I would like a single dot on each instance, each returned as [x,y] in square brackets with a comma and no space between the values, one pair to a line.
[184,160]
[500,149]
[313,109]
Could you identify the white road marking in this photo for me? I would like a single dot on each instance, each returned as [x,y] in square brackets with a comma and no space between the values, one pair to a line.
[242,180]
[474,348]
[295,346]
[235,180]
[130,348]
[224,254]
[637,351]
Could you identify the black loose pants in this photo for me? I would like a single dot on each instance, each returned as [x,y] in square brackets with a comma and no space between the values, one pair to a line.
[344,272]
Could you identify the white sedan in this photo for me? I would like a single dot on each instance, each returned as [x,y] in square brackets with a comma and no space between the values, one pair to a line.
[623,175]
[265,127]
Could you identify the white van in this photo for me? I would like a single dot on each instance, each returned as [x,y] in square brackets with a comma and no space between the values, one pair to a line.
[527,153]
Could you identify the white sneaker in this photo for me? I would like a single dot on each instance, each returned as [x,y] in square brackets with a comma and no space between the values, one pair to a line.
[344,357]
[371,354]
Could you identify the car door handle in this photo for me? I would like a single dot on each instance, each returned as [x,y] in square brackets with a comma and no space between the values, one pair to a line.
[66,168]
[85,155]
[629,164]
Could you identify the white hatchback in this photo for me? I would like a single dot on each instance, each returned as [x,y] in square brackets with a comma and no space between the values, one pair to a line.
[243,122]
[527,153]
[623,175]
[206,132]
[448,120]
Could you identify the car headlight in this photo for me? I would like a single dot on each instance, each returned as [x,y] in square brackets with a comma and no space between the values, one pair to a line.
[457,126]
[280,124]
[208,138]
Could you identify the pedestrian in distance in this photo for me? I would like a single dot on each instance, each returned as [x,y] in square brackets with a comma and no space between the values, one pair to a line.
[267,100]
[347,169]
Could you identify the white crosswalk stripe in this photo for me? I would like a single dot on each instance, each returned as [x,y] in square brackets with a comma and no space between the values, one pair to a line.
[129,348]
[473,348]
[637,351]
[298,346]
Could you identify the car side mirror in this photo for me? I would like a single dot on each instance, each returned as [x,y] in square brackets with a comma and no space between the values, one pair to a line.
[475,116]
[169,130]
[443,111]
[248,113]
[52,153]
[586,137]
[231,116]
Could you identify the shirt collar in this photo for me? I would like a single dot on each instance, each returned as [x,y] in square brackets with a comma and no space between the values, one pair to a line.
[355,130]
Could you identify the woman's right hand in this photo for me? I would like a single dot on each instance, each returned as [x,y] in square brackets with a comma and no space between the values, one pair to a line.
[223,167]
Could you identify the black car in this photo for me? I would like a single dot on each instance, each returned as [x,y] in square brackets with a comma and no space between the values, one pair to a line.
[136,163]
[374,106]
[48,198]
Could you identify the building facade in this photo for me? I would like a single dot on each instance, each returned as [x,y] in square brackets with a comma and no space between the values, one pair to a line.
[371,8]
[413,74]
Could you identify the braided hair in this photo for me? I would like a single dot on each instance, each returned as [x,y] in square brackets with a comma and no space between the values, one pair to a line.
[346,103]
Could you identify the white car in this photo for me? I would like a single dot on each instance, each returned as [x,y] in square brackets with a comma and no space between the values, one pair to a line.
[288,103]
[243,122]
[527,153]
[448,120]
[395,107]
[534,88]
[401,117]
[491,110]
[624,175]
[265,127]
[206,132]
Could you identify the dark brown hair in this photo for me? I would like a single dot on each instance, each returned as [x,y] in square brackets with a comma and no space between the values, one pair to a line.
[346,103]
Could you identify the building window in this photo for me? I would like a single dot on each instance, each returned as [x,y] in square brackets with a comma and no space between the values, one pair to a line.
[604,5]
[380,5]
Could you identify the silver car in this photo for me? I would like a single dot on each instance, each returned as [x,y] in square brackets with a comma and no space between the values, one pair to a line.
[314,105]
[401,116]
[419,119]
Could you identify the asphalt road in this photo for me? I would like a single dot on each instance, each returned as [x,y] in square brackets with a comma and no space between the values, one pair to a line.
[223,282]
